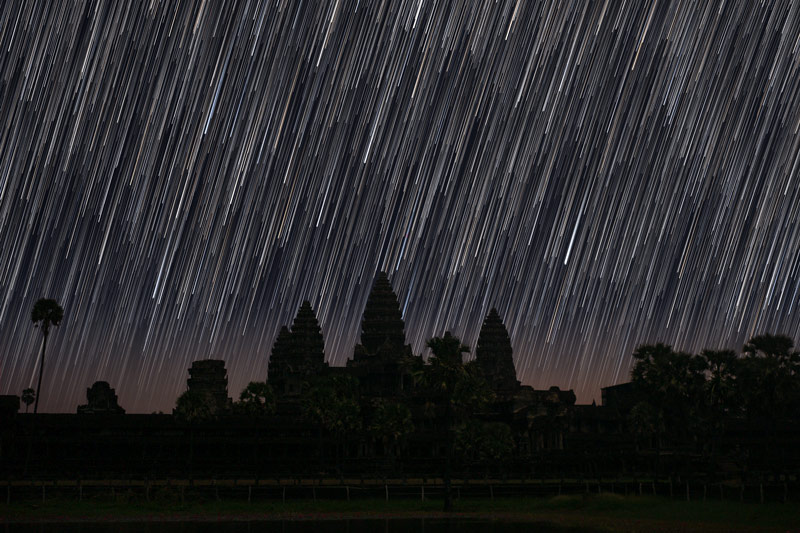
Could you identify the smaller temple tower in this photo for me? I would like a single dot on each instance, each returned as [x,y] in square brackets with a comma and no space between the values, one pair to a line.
[209,378]
[102,400]
[495,356]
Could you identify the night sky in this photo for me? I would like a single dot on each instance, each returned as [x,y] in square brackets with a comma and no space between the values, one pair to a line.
[180,177]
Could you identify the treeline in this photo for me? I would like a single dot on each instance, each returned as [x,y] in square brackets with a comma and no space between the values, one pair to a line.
[694,399]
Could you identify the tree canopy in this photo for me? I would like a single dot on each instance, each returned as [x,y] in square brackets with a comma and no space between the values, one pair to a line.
[256,399]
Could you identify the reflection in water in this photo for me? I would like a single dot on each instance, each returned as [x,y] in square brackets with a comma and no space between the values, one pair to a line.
[393,525]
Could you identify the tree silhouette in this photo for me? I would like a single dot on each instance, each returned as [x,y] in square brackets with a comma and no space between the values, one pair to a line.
[671,384]
[45,313]
[456,386]
[256,400]
[768,377]
[484,443]
[391,424]
[721,392]
[193,406]
[332,402]
[647,423]
[721,385]
[28,395]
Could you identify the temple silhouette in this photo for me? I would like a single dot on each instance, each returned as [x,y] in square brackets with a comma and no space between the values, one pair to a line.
[375,417]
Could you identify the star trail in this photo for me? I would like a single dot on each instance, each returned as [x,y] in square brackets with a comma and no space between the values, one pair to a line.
[180,176]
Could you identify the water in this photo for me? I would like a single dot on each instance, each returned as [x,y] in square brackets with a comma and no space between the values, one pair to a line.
[390,525]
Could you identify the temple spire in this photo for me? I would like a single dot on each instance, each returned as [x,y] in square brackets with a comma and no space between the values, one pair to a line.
[382,322]
[297,355]
[308,346]
[495,356]
[381,361]
[279,358]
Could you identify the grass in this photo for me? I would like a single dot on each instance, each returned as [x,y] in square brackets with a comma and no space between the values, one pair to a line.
[604,512]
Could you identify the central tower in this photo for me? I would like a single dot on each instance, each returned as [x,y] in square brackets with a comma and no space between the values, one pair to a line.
[381,361]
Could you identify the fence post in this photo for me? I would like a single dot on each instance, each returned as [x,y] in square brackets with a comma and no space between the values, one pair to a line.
[491,492]
[347,489]
[387,491]
[249,493]
[284,494]
[423,492]
[43,497]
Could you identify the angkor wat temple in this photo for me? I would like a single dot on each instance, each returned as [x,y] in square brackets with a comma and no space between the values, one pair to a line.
[546,434]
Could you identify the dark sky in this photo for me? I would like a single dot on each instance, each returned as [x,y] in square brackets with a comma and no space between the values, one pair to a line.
[181,176]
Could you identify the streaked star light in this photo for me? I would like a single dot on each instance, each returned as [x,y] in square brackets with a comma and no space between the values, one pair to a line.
[180,176]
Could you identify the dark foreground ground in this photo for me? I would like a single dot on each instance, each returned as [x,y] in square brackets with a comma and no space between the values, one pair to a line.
[604,512]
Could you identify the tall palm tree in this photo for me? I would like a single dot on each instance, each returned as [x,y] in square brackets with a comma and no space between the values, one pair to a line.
[46,312]
[444,376]
[28,395]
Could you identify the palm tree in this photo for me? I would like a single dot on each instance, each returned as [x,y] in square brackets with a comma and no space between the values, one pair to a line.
[720,392]
[443,376]
[46,312]
[28,395]
[768,376]
[767,380]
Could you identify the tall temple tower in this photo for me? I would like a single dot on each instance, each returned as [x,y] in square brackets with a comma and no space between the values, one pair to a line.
[380,360]
[382,321]
[495,356]
[297,355]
